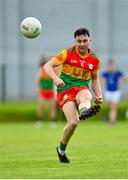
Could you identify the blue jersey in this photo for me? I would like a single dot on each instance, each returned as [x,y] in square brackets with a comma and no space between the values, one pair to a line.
[112,79]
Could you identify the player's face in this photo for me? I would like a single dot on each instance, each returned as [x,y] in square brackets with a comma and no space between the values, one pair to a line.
[82,43]
[110,66]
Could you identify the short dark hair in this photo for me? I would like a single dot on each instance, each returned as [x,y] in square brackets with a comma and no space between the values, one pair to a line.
[81,31]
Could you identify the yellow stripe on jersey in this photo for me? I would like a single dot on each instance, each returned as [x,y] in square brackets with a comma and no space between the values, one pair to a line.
[61,57]
[76,72]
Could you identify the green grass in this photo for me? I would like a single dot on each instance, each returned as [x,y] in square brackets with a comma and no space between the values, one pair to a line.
[15,111]
[95,151]
[26,111]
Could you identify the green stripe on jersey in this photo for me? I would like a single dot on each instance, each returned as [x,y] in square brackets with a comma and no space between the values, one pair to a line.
[71,82]
[45,84]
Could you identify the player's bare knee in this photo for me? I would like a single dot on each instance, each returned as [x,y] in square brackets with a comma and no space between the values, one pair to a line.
[87,97]
[82,97]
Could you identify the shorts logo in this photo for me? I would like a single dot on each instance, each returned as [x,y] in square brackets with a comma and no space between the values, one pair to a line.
[90,66]
[65,96]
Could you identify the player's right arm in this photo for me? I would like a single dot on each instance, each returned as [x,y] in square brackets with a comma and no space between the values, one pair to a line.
[54,62]
[38,81]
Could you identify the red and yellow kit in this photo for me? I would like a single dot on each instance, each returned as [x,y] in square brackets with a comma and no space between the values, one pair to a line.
[46,85]
[76,71]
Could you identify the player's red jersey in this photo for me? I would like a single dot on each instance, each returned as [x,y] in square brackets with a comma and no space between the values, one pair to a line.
[77,70]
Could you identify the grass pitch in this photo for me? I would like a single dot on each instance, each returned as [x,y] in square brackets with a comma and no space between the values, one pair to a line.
[96,151]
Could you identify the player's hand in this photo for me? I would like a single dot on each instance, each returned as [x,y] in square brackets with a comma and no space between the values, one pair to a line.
[59,82]
[98,100]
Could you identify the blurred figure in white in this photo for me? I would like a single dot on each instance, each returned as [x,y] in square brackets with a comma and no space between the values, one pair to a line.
[112,77]
[46,95]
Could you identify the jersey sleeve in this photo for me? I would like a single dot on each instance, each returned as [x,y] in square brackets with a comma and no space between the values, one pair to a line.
[95,71]
[104,74]
[61,57]
[120,74]
[41,72]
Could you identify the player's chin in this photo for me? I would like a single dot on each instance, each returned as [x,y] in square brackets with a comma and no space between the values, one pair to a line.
[83,50]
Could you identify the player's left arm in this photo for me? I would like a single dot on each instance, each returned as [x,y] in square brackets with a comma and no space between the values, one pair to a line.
[96,86]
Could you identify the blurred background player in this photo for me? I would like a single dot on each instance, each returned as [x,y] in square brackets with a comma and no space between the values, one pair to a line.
[46,95]
[126,112]
[112,77]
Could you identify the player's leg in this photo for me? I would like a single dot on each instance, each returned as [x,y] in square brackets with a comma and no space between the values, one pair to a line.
[83,99]
[53,112]
[40,110]
[112,113]
[126,114]
[71,113]
[113,106]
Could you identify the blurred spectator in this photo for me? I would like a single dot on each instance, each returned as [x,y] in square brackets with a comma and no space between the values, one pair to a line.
[126,115]
[112,94]
[46,95]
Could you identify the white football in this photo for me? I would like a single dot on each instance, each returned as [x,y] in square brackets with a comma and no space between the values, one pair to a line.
[30,27]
